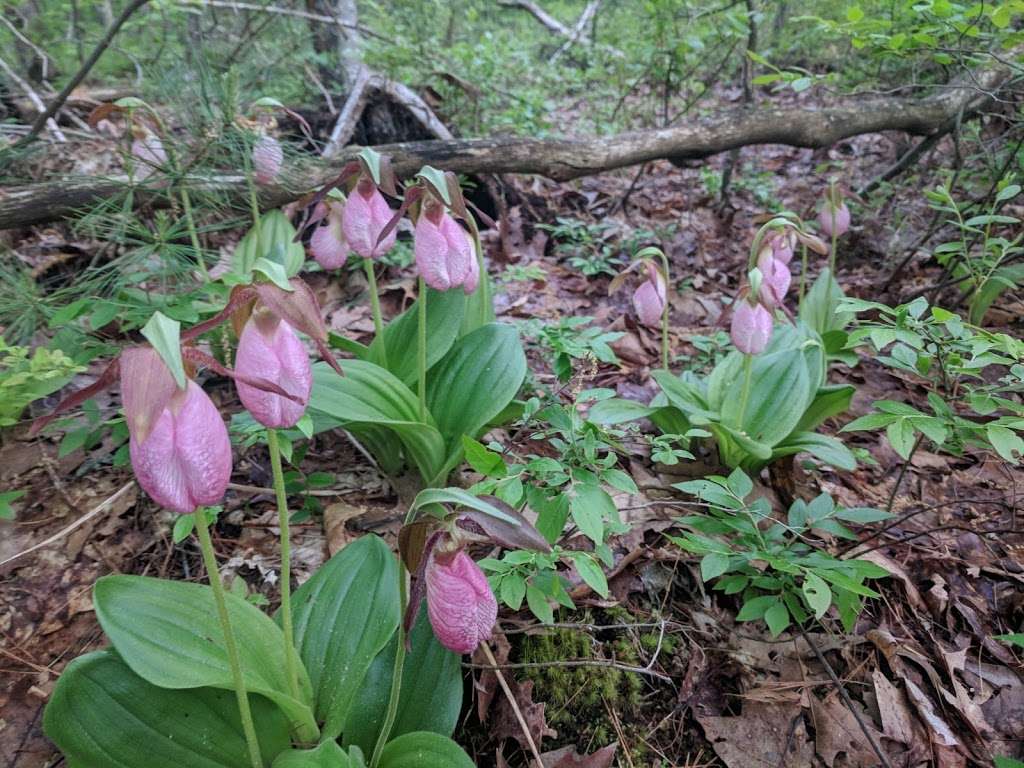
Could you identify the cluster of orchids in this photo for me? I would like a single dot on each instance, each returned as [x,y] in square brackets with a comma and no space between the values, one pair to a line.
[769,276]
[178,442]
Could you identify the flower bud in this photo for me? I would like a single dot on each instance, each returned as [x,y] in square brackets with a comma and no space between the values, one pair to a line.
[185,461]
[751,327]
[781,245]
[460,604]
[775,279]
[269,349]
[149,154]
[444,254]
[366,215]
[834,221]
[267,157]
[649,298]
[327,244]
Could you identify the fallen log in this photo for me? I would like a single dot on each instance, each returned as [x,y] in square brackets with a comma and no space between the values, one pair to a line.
[568,158]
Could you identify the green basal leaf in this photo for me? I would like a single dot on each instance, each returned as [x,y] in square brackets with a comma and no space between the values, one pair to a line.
[473,383]
[343,617]
[102,714]
[326,755]
[424,750]
[169,634]
[778,397]
[825,448]
[431,694]
[445,310]
[374,402]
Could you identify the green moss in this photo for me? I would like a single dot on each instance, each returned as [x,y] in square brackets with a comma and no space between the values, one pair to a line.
[579,698]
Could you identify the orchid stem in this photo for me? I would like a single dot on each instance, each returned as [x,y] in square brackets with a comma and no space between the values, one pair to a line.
[396,678]
[213,573]
[831,274]
[803,274]
[664,313]
[748,366]
[193,234]
[421,300]
[485,286]
[378,320]
[286,564]
[254,206]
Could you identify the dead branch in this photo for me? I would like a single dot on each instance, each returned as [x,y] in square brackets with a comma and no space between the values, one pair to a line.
[364,84]
[563,159]
[34,99]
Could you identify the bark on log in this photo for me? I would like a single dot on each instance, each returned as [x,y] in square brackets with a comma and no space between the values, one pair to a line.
[564,159]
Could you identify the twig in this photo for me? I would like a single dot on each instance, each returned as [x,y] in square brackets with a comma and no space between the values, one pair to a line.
[846,699]
[101,507]
[904,162]
[902,519]
[513,703]
[37,102]
[930,531]
[903,471]
[73,83]
[233,6]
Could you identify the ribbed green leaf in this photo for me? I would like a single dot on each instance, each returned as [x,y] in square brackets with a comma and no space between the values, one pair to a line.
[430,697]
[370,396]
[830,400]
[277,237]
[822,447]
[401,336]
[169,634]
[474,382]
[343,617]
[326,755]
[776,401]
[103,715]
[424,750]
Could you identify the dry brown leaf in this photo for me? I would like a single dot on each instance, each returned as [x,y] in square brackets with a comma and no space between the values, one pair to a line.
[897,720]
[336,516]
[568,757]
[836,733]
[763,736]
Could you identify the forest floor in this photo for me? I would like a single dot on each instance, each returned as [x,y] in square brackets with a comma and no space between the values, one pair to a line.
[921,668]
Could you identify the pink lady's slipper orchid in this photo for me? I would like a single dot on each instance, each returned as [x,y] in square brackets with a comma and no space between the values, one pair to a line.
[366,215]
[460,604]
[751,327]
[267,157]
[780,245]
[148,152]
[834,217]
[178,443]
[444,254]
[649,298]
[327,243]
[775,279]
[270,350]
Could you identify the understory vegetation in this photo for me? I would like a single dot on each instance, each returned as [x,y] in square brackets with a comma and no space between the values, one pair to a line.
[511,383]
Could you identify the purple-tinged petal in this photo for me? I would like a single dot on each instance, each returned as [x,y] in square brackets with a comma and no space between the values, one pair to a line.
[272,351]
[460,604]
